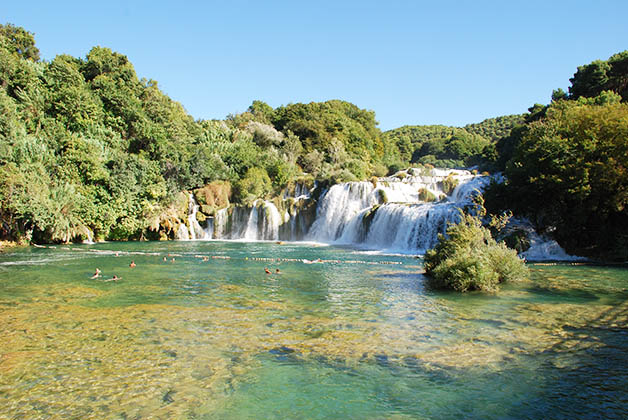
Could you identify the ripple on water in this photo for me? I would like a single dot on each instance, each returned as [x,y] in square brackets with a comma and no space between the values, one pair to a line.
[205,338]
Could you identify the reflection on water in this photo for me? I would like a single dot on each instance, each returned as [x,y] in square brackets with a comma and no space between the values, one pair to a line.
[355,338]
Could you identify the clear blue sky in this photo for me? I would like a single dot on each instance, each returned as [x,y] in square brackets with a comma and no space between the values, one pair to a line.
[412,62]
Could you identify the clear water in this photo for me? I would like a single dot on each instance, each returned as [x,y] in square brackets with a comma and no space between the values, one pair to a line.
[357,338]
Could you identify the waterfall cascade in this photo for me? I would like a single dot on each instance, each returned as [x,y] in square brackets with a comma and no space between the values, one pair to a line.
[390,214]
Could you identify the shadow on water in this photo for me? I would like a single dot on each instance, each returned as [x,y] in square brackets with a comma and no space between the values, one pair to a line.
[553,294]
[585,373]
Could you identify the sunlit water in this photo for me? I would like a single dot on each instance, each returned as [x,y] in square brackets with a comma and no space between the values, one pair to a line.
[358,338]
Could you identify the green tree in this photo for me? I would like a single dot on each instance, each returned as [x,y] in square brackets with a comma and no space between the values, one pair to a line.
[19,41]
[569,173]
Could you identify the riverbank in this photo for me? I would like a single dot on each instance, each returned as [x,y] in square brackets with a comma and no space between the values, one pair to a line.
[6,245]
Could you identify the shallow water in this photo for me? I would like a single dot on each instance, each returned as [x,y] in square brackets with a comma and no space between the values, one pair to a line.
[362,337]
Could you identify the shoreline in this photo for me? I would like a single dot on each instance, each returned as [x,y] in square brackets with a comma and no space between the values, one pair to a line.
[6,245]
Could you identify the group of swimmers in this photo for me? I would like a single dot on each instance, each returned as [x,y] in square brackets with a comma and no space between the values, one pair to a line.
[98,273]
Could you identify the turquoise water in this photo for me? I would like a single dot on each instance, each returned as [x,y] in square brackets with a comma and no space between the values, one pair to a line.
[356,336]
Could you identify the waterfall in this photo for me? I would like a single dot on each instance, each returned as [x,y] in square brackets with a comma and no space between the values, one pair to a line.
[196,231]
[389,214]
[384,214]
[260,221]
[341,204]
[182,233]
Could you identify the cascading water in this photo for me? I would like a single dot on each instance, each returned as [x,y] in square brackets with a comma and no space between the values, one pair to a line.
[261,221]
[196,231]
[340,205]
[389,214]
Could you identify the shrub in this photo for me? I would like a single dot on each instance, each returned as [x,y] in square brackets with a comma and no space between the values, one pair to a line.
[517,240]
[449,184]
[359,168]
[379,170]
[468,258]
[255,184]
[393,168]
[426,195]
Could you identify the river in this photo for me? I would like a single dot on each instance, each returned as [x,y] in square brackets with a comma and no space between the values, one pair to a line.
[357,335]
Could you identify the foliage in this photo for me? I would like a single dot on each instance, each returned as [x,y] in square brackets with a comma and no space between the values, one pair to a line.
[497,128]
[18,41]
[331,127]
[444,146]
[468,258]
[569,173]
[255,184]
[592,79]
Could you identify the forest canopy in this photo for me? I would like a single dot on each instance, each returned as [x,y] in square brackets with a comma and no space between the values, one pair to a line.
[89,149]
[567,167]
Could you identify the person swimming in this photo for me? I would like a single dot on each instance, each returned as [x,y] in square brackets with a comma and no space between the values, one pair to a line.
[96,274]
[277,271]
[132,264]
[267,271]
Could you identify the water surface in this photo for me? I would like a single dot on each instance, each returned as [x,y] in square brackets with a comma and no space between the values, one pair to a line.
[356,336]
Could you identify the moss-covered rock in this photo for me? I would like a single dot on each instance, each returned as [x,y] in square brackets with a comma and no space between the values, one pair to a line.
[382,198]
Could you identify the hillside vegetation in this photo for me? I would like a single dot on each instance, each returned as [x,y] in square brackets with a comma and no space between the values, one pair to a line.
[567,167]
[88,148]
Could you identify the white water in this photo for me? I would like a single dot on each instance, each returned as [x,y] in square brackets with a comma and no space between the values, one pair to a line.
[401,224]
[386,216]
[196,231]
[261,221]
[183,234]
[541,247]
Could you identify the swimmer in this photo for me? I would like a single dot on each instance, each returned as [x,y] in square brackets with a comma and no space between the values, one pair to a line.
[96,274]
[165,259]
[172,259]
[277,271]
[114,278]
[132,264]
[267,271]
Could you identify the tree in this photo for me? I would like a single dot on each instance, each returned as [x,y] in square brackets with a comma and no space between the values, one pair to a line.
[591,79]
[570,174]
[19,41]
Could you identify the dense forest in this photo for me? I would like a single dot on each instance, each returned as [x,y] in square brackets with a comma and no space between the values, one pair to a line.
[89,149]
[452,147]
[566,168]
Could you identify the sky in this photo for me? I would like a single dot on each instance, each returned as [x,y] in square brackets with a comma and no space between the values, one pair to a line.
[412,62]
